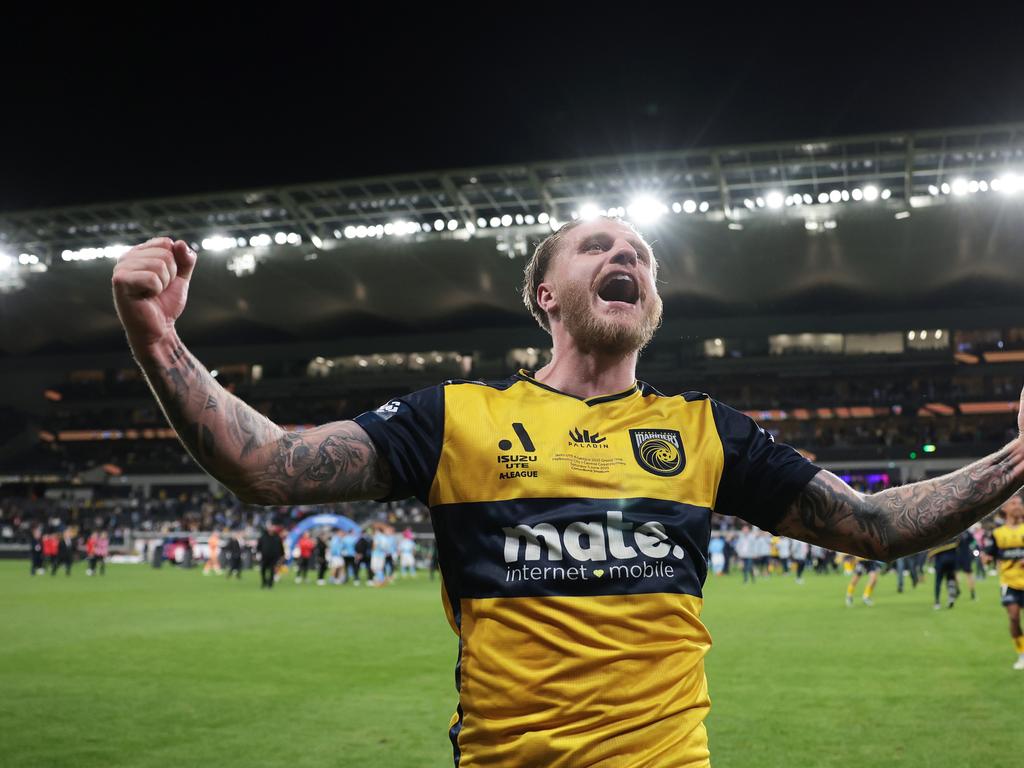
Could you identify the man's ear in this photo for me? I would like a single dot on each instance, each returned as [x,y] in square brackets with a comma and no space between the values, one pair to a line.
[546,298]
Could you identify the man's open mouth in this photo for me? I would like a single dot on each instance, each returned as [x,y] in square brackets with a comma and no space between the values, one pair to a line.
[619,287]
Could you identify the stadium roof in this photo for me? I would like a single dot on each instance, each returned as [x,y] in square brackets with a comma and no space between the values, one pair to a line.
[733,182]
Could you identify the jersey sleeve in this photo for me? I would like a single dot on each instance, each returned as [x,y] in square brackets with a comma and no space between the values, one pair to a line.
[992,546]
[408,432]
[760,477]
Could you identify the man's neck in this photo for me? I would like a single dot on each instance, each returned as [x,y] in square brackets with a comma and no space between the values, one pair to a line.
[588,374]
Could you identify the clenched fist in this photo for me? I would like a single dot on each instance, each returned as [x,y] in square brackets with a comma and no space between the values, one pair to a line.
[150,288]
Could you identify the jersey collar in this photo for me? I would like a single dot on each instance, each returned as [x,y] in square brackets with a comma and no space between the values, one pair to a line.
[525,375]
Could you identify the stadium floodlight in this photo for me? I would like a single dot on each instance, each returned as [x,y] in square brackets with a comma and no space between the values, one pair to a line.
[959,187]
[871,193]
[350,231]
[506,220]
[677,208]
[946,189]
[690,206]
[1009,184]
[760,202]
[938,334]
[528,218]
[646,209]
[911,336]
[453,224]
[519,220]
[704,206]
[933,190]
[482,223]
[470,227]
[835,196]
[823,197]
[317,242]
[773,199]
[589,211]
[886,193]
[6,262]
[808,200]
[281,238]
[360,231]
[983,185]
[495,221]
[811,226]
[219,243]
[845,196]
[389,229]
[542,218]
[924,335]
[857,194]
[972,186]
[928,448]
[749,203]
[830,224]
[438,224]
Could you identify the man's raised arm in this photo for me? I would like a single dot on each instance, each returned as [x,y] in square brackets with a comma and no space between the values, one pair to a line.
[910,518]
[237,445]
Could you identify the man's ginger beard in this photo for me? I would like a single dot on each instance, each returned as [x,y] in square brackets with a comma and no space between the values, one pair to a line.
[597,333]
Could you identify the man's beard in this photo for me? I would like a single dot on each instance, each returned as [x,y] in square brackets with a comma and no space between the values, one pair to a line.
[597,333]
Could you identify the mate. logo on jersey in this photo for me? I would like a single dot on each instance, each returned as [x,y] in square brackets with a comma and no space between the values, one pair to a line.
[659,451]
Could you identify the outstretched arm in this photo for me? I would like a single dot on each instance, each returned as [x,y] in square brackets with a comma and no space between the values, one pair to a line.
[899,521]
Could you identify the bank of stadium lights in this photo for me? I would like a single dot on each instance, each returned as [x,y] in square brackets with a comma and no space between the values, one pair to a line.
[89,254]
[1008,184]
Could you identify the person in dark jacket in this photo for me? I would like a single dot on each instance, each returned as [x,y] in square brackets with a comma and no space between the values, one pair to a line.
[234,553]
[66,551]
[37,551]
[271,551]
[363,548]
[321,559]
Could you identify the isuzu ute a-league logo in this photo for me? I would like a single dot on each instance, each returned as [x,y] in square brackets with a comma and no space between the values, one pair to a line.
[514,466]
[659,451]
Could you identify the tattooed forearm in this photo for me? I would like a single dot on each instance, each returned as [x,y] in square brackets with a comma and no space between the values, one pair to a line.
[898,521]
[250,454]
[335,461]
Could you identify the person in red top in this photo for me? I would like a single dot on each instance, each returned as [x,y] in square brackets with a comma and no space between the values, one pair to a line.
[306,547]
[50,549]
[90,553]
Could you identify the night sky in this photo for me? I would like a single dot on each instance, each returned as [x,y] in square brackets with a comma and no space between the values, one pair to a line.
[99,107]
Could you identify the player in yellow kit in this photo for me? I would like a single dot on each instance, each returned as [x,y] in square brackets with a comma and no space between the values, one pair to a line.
[572,505]
[1007,548]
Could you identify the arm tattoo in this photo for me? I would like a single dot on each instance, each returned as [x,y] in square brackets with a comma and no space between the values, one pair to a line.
[250,454]
[898,521]
[335,461]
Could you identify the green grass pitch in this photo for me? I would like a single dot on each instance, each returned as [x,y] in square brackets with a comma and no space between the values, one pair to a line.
[171,668]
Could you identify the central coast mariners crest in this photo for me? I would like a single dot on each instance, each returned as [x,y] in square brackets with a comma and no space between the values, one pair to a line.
[659,451]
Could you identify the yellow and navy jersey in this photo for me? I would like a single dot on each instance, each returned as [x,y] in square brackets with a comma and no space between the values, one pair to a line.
[1007,547]
[572,538]
[946,547]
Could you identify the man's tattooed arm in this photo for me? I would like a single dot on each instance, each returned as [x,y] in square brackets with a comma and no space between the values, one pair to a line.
[248,453]
[910,518]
